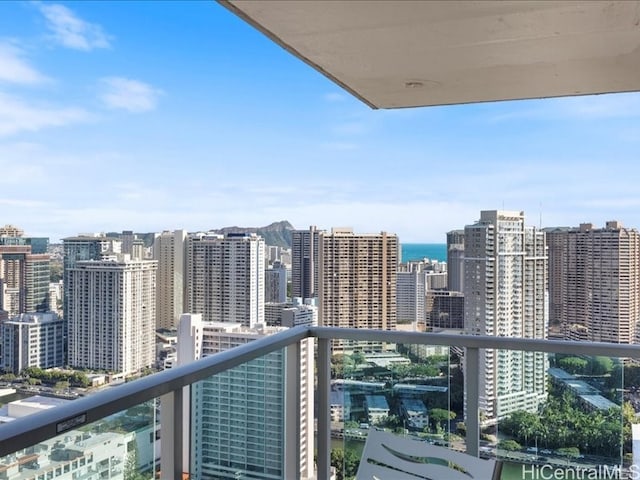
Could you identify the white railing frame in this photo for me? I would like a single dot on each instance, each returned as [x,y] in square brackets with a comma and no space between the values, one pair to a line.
[27,431]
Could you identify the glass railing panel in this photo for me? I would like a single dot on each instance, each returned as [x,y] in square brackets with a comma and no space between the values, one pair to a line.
[572,417]
[123,445]
[238,420]
[406,390]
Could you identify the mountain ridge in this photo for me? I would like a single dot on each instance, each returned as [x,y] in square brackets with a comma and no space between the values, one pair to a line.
[276,234]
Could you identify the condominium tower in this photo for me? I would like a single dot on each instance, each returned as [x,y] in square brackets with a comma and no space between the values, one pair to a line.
[169,250]
[242,418]
[411,294]
[594,282]
[505,279]
[275,287]
[304,262]
[24,280]
[81,248]
[455,260]
[357,280]
[225,277]
[111,314]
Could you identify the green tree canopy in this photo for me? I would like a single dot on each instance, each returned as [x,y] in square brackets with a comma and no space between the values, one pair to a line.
[509,445]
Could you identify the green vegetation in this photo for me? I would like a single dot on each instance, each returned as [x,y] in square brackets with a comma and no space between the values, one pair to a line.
[53,377]
[438,417]
[341,365]
[345,462]
[131,464]
[414,370]
[56,269]
[357,358]
[509,445]
[562,424]
[593,366]
[569,452]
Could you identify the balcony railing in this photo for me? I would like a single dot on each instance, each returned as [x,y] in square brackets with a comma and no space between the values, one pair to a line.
[67,429]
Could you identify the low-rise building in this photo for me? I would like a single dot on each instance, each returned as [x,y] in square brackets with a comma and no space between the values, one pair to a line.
[377,408]
[32,340]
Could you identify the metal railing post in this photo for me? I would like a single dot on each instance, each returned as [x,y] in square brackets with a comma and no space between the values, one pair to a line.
[324,414]
[292,405]
[178,433]
[166,433]
[472,387]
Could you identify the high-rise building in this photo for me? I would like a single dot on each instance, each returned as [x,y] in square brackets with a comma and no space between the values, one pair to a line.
[11,231]
[357,280]
[169,250]
[410,299]
[505,295]
[304,262]
[127,237]
[32,340]
[556,238]
[225,277]
[594,282]
[275,283]
[444,310]
[24,272]
[132,245]
[455,260]
[24,280]
[111,314]
[39,245]
[81,248]
[240,418]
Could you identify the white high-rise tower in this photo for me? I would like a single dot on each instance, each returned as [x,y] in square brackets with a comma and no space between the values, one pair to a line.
[505,279]
[111,312]
[242,419]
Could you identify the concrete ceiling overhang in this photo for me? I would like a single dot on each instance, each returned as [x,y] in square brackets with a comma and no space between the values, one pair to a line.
[393,54]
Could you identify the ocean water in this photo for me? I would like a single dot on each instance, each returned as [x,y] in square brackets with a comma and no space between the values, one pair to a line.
[418,251]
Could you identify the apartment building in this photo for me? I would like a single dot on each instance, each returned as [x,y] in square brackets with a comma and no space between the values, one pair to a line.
[505,280]
[24,279]
[304,262]
[32,340]
[169,250]
[357,279]
[111,314]
[239,418]
[225,277]
[594,282]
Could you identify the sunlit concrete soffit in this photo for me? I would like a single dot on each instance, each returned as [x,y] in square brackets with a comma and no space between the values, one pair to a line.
[393,54]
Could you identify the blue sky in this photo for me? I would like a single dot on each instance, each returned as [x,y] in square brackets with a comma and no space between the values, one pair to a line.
[163,115]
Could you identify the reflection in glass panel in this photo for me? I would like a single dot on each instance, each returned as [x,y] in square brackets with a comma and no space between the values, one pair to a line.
[123,445]
[405,390]
[584,423]
[238,421]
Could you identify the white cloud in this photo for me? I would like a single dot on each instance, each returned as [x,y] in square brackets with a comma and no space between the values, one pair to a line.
[127,94]
[14,69]
[71,31]
[17,116]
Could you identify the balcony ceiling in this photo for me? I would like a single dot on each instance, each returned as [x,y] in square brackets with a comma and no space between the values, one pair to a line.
[393,54]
